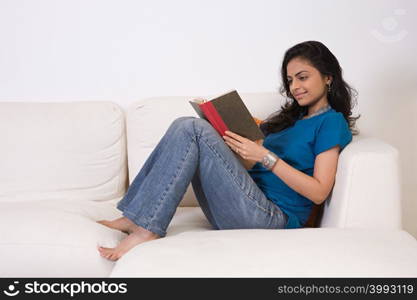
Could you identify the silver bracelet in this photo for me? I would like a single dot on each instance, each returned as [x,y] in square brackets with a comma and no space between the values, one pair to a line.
[270,160]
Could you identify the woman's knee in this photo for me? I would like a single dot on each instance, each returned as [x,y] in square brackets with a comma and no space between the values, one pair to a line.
[182,122]
[201,125]
[196,125]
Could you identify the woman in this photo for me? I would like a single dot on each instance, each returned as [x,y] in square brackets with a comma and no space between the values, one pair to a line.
[282,178]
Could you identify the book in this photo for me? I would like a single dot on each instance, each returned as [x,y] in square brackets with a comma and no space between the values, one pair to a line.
[228,112]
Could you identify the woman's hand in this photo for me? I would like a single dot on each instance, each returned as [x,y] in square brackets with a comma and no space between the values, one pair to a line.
[247,149]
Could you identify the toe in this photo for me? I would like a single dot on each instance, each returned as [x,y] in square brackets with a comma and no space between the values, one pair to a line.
[108,253]
[103,251]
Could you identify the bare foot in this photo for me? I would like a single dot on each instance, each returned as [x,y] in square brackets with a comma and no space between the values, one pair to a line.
[123,224]
[137,236]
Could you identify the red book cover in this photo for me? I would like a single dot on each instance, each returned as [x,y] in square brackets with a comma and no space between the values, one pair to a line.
[228,112]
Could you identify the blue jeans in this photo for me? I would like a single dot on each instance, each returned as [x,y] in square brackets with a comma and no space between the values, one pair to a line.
[191,151]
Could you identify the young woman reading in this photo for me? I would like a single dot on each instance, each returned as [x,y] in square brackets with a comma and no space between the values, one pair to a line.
[283,176]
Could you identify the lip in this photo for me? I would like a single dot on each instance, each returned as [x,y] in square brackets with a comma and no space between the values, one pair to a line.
[300,94]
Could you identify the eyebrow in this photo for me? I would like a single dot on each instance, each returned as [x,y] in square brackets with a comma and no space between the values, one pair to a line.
[298,73]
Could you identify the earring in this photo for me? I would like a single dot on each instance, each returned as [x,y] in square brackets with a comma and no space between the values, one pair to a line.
[329,89]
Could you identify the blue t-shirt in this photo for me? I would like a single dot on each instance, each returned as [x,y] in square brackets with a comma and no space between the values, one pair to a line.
[298,146]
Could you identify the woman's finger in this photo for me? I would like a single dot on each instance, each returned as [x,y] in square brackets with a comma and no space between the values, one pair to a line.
[236,136]
[231,141]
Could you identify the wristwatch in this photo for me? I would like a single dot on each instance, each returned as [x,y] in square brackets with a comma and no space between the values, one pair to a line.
[269,160]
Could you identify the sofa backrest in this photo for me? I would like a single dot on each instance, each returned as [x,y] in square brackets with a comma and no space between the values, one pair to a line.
[62,151]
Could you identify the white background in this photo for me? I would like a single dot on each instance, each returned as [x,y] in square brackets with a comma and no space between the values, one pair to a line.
[126,50]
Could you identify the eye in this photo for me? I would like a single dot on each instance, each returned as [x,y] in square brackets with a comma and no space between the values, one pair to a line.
[303,77]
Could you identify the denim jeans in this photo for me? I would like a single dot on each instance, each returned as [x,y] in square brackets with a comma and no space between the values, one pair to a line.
[191,151]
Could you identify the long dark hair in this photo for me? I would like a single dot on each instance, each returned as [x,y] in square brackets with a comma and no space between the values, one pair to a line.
[341,98]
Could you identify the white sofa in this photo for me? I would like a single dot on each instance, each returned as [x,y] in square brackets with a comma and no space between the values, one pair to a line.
[65,165]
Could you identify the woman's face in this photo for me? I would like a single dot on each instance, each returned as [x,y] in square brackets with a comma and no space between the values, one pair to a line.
[306,83]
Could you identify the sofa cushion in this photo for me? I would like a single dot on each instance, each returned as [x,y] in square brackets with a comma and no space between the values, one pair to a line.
[307,252]
[62,151]
[56,238]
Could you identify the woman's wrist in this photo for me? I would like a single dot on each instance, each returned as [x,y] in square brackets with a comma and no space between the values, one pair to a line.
[269,160]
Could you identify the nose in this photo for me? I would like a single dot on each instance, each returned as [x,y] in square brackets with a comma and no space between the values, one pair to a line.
[294,86]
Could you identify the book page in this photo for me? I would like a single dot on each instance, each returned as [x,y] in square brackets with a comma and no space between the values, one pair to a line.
[199,100]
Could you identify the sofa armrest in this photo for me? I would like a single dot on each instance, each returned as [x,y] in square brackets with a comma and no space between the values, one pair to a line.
[367,192]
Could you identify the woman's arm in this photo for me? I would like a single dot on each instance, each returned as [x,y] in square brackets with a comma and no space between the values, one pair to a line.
[316,187]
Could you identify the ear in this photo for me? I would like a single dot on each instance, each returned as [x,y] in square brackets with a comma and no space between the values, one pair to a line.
[328,79]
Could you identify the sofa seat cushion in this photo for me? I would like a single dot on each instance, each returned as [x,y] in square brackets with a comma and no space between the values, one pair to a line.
[55,238]
[306,252]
